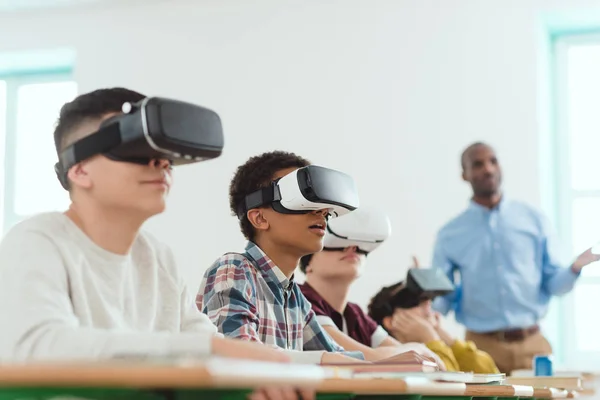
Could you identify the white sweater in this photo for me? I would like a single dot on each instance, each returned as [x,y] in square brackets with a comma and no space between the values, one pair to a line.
[64,297]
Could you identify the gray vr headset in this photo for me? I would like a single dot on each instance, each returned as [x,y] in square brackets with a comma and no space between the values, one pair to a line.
[422,284]
[154,128]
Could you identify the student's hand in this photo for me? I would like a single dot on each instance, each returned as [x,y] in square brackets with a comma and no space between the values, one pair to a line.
[435,319]
[585,258]
[413,328]
[443,334]
[337,358]
[407,356]
[408,350]
[423,350]
[247,350]
[285,393]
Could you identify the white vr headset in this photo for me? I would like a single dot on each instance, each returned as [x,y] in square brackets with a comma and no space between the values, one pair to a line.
[304,190]
[365,228]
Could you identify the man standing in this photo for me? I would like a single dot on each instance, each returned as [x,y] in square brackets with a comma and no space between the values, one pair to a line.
[503,251]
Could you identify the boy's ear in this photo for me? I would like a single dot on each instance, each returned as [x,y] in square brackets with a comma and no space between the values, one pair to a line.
[387,323]
[79,176]
[257,219]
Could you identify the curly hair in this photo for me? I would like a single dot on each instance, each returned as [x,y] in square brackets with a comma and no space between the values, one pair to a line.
[257,173]
[379,306]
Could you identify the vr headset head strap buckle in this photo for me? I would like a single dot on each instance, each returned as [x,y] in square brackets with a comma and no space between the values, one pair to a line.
[105,138]
[261,197]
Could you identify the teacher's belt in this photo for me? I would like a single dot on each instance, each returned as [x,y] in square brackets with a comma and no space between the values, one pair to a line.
[513,335]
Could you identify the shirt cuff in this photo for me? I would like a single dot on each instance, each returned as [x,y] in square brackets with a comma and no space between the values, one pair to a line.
[378,337]
[574,274]
[324,320]
[354,354]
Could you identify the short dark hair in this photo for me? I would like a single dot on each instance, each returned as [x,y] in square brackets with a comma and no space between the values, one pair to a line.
[257,173]
[379,306]
[467,151]
[87,107]
[304,262]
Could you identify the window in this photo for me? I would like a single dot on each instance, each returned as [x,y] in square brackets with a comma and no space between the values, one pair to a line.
[577,99]
[29,107]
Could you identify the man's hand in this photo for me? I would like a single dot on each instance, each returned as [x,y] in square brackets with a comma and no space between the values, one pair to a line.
[413,328]
[585,258]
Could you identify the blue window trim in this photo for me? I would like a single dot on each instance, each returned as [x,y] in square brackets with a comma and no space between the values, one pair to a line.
[9,217]
[557,27]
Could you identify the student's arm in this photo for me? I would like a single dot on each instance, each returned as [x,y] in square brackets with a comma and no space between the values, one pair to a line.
[38,320]
[352,345]
[192,320]
[440,260]
[316,338]
[444,352]
[230,304]
[389,342]
[470,359]
[228,297]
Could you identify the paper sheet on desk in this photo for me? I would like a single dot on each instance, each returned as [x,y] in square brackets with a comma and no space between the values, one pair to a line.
[454,377]
[220,367]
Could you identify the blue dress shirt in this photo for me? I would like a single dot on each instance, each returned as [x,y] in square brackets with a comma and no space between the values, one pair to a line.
[507,264]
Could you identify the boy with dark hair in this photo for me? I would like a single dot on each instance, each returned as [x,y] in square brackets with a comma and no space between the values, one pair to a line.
[253,296]
[419,323]
[88,283]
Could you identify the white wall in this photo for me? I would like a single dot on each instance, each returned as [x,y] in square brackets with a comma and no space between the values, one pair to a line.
[389,91]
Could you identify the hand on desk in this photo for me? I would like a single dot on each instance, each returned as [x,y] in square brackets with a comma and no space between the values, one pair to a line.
[247,350]
[413,356]
[259,352]
[337,358]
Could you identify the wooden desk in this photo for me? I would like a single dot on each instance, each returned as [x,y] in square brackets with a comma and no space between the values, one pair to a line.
[227,379]
[569,383]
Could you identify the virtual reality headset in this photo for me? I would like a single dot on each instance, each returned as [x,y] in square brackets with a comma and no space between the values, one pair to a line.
[365,228]
[421,284]
[154,128]
[304,190]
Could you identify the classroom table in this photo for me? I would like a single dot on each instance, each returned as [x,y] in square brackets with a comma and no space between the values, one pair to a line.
[228,380]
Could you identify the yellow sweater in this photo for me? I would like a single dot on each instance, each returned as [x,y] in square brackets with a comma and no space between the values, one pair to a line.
[464,356]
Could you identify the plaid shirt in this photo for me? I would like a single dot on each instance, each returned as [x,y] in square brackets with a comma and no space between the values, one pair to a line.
[247,297]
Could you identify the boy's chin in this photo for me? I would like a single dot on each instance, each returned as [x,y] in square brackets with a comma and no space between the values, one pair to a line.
[317,247]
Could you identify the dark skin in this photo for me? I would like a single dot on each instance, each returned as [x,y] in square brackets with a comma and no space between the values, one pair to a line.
[482,170]
[287,237]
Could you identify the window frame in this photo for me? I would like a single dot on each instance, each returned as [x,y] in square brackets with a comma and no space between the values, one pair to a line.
[13,81]
[566,195]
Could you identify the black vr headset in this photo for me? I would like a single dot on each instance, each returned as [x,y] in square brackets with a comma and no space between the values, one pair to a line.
[154,128]
[304,190]
[421,284]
